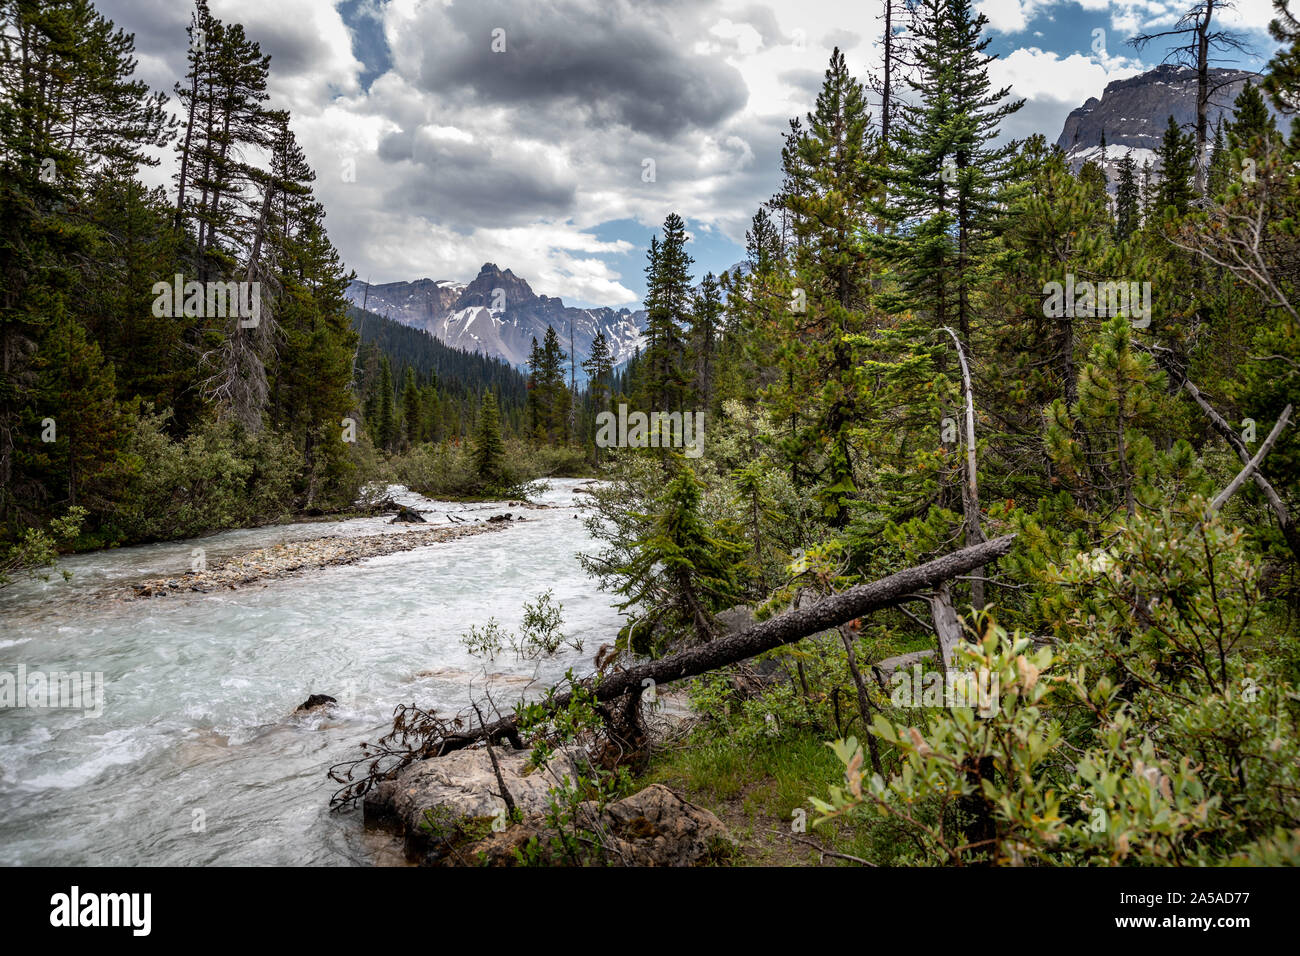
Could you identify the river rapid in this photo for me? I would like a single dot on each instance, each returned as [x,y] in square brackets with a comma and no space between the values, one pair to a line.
[198,757]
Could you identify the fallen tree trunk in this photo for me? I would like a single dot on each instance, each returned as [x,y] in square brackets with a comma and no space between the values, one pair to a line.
[785,628]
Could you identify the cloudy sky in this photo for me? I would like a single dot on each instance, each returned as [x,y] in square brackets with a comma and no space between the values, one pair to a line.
[535,156]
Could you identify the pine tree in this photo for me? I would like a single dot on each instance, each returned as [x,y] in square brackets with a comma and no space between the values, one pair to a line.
[598,365]
[811,312]
[763,244]
[706,320]
[1177,157]
[747,360]
[1052,231]
[682,570]
[385,426]
[1128,209]
[1118,389]
[1282,81]
[411,408]
[1097,184]
[489,449]
[668,304]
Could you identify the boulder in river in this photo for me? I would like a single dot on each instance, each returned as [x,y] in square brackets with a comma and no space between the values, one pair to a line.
[315,702]
[505,517]
[407,515]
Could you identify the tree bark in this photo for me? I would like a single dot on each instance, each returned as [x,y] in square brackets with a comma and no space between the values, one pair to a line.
[970,498]
[1202,93]
[946,624]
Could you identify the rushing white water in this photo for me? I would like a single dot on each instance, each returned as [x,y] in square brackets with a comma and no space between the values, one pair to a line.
[200,689]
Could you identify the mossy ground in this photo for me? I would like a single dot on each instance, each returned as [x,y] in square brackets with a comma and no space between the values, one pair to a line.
[755,790]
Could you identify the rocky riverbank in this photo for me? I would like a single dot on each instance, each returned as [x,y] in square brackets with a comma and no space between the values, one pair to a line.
[296,557]
[450,811]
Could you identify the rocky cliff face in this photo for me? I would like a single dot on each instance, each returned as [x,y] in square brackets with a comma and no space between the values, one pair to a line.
[1132,114]
[498,314]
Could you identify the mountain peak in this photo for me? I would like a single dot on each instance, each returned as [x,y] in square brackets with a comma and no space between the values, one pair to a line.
[494,289]
[498,314]
[1132,114]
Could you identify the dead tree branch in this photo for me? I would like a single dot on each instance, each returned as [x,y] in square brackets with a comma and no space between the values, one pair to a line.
[1252,466]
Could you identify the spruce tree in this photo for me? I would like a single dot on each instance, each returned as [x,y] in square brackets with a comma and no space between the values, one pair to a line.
[83,465]
[1251,119]
[489,449]
[411,408]
[946,178]
[1128,209]
[554,395]
[682,570]
[1177,158]
[1218,175]
[69,110]
[598,365]
[385,426]
[535,396]
[706,321]
[668,307]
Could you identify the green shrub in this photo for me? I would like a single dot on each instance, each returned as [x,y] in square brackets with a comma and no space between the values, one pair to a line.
[1159,731]
[217,477]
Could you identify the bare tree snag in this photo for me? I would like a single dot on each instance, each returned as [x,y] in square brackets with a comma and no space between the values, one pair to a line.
[970,498]
[946,624]
[1252,466]
[1284,520]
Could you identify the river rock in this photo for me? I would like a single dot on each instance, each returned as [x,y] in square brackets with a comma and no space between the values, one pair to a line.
[314,702]
[408,516]
[456,790]
[736,619]
[653,827]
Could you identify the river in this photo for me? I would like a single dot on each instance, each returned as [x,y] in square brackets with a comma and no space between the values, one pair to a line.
[198,758]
